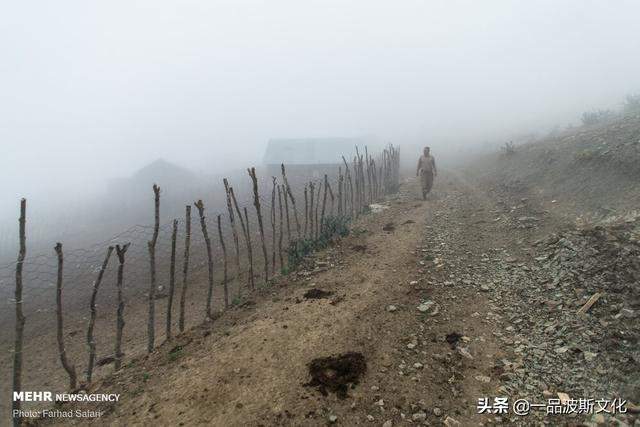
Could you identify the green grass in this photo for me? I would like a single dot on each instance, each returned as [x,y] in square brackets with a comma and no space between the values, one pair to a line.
[175,353]
[333,226]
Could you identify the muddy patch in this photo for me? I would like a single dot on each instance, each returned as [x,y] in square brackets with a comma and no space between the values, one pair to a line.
[317,294]
[453,338]
[337,373]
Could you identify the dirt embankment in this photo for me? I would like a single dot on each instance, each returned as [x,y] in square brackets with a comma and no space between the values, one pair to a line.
[591,171]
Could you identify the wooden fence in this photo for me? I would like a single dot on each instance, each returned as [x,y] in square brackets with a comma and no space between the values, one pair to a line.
[297,220]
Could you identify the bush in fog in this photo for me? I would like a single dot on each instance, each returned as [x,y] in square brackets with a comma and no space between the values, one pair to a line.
[632,103]
[508,148]
[596,116]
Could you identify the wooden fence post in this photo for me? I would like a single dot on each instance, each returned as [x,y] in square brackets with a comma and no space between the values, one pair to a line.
[317,219]
[120,251]
[367,163]
[347,174]
[203,225]
[293,200]
[92,320]
[331,197]
[256,203]
[286,210]
[273,226]
[172,277]
[340,182]
[20,319]
[312,189]
[152,286]
[306,211]
[234,231]
[250,246]
[324,203]
[185,265]
[280,233]
[225,278]
[247,240]
[71,370]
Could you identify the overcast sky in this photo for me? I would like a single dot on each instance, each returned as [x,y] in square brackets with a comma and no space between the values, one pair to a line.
[95,89]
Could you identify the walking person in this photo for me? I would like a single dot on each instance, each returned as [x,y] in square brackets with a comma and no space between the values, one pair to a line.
[426,171]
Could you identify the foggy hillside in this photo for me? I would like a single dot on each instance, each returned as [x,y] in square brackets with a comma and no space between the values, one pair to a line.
[319,213]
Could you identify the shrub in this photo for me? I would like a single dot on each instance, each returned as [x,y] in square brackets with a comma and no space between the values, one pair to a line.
[632,103]
[333,226]
[596,116]
[508,148]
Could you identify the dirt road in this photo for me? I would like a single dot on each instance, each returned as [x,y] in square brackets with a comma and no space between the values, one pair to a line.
[418,289]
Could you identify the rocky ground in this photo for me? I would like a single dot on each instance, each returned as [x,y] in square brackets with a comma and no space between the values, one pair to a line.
[475,293]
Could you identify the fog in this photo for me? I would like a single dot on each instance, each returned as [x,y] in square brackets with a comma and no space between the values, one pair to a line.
[96,90]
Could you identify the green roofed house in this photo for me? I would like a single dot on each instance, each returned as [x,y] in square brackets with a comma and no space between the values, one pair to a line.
[309,156]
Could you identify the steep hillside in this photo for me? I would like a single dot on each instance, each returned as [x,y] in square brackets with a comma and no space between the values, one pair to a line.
[591,171]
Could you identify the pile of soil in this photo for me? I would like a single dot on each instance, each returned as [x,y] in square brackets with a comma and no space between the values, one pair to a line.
[317,294]
[337,373]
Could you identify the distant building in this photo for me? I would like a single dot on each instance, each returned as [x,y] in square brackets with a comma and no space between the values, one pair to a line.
[161,172]
[309,157]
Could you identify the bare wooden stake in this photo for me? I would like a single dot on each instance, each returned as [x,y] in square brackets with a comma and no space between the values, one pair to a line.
[152,285]
[120,251]
[348,179]
[225,277]
[92,320]
[331,197]
[317,218]
[280,228]
[234,231]
[203,225]
[250,246]
[312,189]
[286,209]
[172,277]
[306,211]
[71,370]
[370,192]
[351,196]
[256,203]
[185,265]
[273,226]
[340,185]
[324,203]
[245,232]
[293,200]
[20,319]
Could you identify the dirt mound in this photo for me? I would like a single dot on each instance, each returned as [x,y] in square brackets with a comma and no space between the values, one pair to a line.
[337,373]
[317,294]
